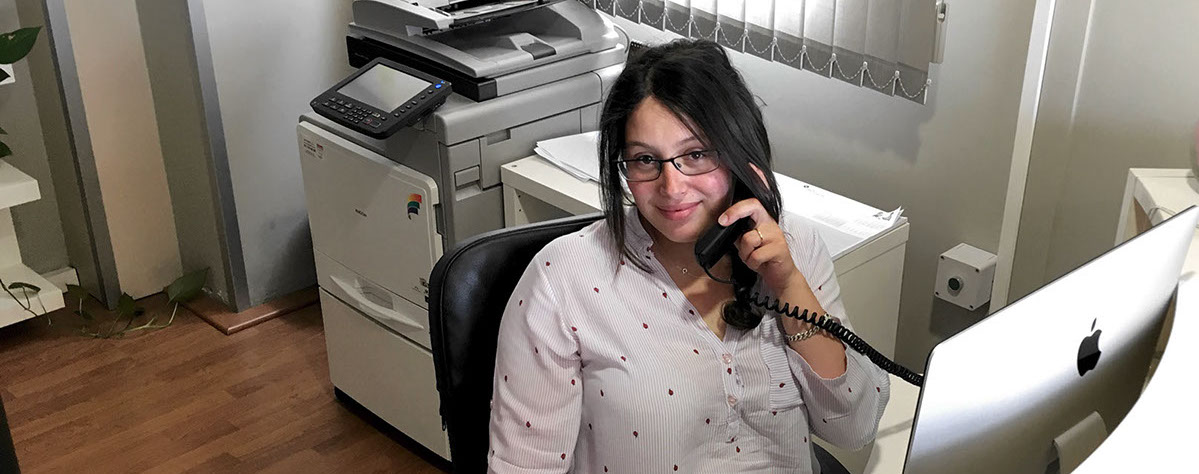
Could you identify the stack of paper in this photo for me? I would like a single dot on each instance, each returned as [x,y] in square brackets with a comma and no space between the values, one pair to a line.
[575,154]
[843,223]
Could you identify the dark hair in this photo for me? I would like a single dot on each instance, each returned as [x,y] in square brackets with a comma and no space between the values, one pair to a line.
[696,81]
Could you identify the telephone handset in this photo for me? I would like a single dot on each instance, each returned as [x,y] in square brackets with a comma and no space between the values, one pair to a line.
[718,241]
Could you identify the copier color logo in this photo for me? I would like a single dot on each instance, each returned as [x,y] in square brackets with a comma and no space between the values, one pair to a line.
[414,201]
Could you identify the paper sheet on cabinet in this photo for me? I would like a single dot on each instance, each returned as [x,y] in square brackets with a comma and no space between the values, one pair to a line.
[843,223]
[575,154]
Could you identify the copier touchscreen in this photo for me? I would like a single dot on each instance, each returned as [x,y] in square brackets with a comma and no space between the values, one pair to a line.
[384,88]
[381,98]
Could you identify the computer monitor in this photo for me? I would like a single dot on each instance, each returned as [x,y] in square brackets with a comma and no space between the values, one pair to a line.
[997,394]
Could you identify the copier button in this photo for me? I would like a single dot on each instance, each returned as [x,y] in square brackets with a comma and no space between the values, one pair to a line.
[438,86]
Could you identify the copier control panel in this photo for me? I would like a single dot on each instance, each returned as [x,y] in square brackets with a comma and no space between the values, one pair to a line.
[381,98]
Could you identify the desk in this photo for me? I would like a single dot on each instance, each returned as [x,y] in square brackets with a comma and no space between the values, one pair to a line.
[890,448]
[870,276]
[1152,196]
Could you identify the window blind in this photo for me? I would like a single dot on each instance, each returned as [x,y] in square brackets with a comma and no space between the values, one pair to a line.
[883,45]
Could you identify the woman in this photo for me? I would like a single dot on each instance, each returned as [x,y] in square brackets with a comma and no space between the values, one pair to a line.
[617,353]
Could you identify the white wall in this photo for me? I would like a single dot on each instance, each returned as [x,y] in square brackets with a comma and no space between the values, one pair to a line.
[1120,93]
[269,58]
[946,162]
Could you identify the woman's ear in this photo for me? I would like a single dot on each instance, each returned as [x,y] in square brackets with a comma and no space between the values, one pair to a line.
[761,175]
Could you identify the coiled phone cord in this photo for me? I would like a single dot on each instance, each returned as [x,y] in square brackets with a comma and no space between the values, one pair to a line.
[836,329]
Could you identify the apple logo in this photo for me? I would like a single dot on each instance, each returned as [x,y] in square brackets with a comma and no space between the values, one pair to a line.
[1088,351]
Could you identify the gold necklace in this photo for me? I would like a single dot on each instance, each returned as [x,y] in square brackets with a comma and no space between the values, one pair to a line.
[682,269]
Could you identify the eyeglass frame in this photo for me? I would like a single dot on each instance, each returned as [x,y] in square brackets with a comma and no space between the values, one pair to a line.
[660,162]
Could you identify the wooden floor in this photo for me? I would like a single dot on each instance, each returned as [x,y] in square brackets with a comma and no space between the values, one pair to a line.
[185,399]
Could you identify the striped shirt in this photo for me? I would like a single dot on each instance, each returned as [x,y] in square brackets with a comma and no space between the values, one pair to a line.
[602,367]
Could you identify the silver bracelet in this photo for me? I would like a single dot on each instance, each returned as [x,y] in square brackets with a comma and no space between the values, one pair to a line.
[811,331]
[802,334]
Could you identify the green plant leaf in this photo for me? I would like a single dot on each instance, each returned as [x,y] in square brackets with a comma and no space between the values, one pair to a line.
[2,132]
[4,151]
[76,292]
[15,45]
[20,284]
[187,286]
[4,75]
[126,306]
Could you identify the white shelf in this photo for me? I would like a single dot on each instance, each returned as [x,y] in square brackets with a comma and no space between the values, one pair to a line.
[10,311]
[16,187]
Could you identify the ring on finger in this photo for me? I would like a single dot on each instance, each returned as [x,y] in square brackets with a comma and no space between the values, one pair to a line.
[761,239]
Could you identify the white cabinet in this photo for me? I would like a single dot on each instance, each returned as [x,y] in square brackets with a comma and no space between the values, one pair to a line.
[870,271]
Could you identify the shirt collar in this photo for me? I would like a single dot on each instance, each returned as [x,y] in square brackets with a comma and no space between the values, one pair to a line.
[635,233]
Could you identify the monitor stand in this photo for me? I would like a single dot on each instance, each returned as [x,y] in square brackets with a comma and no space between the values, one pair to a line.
[1076,443]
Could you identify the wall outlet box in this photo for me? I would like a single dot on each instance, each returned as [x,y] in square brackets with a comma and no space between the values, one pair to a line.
[964,276]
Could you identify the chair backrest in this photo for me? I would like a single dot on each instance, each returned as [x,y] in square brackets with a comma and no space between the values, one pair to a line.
[8,454]
[468,290]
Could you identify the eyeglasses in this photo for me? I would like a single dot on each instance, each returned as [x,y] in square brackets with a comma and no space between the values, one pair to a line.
[648,168]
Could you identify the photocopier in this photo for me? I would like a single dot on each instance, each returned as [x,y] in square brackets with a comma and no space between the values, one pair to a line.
[401,161]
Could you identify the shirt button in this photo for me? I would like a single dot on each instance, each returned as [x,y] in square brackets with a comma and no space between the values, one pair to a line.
[728,358]
[732,400]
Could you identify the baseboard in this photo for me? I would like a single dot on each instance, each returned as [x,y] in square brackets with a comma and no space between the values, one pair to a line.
[227,321]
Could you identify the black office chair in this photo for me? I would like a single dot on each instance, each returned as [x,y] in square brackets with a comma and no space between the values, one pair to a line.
[8,453]
[468,290]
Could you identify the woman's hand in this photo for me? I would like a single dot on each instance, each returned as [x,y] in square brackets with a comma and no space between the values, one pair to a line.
[763,248]
[768,254]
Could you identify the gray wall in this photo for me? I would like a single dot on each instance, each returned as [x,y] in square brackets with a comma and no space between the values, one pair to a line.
[259,64]
[38,226]
[1120,93]
[269,59]
[946,162]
